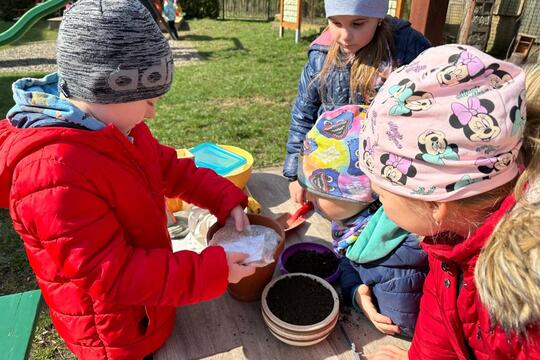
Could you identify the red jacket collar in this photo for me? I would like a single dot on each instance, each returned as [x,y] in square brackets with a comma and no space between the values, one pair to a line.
[462,252]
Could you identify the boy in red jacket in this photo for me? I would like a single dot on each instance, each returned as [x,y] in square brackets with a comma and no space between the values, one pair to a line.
[85,182]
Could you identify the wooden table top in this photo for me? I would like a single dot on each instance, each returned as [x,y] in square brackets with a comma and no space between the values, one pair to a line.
[228,329]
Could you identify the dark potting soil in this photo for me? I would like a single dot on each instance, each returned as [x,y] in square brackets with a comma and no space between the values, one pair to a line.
[300,300]
[312,262]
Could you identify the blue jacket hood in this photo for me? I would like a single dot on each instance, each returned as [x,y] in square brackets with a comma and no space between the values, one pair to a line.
[38,104]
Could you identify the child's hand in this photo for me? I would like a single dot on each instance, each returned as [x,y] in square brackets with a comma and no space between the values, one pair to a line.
[240,218]
[388,352]
[298,193]
[381,322]
[237,271]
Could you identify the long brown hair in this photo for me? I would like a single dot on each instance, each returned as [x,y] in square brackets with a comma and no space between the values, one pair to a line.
[365,65]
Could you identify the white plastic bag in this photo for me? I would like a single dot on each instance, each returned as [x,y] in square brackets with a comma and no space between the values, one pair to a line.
[259,242]
[199,221]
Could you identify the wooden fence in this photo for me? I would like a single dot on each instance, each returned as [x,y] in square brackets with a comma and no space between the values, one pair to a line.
[249,9]
[266,10]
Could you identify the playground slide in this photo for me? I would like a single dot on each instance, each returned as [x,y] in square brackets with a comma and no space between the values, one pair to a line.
[29,19]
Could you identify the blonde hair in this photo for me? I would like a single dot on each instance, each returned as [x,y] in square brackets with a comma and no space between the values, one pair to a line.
[365,65]
[507,273]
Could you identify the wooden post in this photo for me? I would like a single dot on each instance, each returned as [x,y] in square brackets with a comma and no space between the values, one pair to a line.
[293,19]
[399,8]
[299,12]
[428,17]
[465,28]
[281,20]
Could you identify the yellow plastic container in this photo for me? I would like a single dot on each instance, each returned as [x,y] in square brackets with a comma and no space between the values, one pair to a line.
[184,153]
[176,204]
[240,177]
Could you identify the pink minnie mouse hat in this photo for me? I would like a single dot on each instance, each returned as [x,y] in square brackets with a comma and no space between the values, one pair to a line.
[447,126]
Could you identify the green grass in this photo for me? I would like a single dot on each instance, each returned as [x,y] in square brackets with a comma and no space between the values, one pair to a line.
[240,93]
[39,32]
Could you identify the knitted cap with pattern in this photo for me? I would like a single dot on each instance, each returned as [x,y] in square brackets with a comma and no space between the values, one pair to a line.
[112,51]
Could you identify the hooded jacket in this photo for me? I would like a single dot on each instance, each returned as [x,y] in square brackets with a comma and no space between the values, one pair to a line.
[88,203]
[453,322]
[308,105]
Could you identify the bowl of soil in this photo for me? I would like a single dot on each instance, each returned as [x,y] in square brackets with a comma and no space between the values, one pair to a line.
[310,258]
[300,309]
[251,287]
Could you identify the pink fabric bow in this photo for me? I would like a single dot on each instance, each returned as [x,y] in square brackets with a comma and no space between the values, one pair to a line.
[399,163]
[485,161]
[473,63]
[465,113]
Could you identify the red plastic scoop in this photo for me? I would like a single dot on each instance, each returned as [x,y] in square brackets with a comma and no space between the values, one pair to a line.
[291,221]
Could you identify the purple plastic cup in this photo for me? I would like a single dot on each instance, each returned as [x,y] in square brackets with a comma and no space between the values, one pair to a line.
[304,246]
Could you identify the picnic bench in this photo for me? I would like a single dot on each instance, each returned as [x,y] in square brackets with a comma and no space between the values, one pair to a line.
[228,329]
[19,314]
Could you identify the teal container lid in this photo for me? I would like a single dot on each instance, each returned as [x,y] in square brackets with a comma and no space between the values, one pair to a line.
[212,156]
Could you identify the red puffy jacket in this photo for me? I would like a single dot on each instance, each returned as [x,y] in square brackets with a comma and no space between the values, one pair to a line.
[89,206]
[452,323]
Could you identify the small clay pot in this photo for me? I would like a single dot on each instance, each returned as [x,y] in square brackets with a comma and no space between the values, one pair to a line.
[250,288]
[300,335]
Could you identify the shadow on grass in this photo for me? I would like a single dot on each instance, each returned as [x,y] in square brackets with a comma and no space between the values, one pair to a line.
[17,276]
[6,97]
[7,64]
[205,55]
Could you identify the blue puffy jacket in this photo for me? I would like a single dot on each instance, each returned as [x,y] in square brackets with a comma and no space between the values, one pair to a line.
[396,282]
[408,44]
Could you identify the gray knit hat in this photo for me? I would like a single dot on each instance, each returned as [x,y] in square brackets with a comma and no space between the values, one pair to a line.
[369,8]
[112,51]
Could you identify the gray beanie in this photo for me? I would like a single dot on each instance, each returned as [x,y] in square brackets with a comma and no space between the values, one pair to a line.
[112,51]
[369,8]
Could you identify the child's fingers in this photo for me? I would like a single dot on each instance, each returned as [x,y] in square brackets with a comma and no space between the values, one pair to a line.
[241,221]
[237,272]
[246,270]
[387,329]
[236,257]
[380,318]
[302,196]
[364,290]
[298,197]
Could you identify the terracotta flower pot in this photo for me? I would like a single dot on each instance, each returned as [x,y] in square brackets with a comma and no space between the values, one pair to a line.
[300,335]
[250,288]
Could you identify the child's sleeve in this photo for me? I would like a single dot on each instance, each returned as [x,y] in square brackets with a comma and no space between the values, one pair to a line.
[431,339]
[198,186]
[80,233]
[304,112]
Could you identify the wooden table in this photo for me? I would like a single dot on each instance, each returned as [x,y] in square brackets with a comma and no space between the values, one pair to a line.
[227,329]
